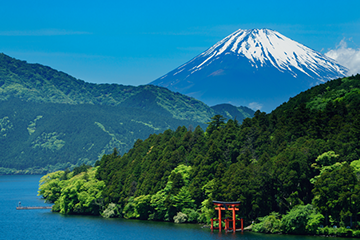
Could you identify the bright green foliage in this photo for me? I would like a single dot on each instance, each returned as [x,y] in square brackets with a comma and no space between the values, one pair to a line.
[314,222]
[129,209]
[74,194]
[338,232]
[207,211]
[356,233]
[268,224]
[356,166]
[326,162]
[49,186]
[336,192]
[142,207]
[192,215]
[302,219]
[296,220]
[327,158]
[167,202]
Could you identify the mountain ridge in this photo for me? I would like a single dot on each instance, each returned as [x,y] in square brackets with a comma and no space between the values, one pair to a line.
[38,83]
[50,120]
[251,61]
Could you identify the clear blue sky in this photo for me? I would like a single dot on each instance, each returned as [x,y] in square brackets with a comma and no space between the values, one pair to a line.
[135,42]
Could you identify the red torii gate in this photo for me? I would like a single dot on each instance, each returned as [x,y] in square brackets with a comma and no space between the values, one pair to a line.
[226,206]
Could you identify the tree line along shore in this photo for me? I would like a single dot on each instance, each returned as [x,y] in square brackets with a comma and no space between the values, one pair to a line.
[295,170]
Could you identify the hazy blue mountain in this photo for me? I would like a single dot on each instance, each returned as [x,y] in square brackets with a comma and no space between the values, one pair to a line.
[231,112]
[259,68]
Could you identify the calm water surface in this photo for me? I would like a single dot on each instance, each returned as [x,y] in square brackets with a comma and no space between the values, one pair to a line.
[43,224]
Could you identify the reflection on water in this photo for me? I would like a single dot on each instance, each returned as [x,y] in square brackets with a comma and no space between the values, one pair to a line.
[43,224]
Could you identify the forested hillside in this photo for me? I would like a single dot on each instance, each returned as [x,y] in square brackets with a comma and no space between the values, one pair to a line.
[44,137]
[49,120]
[38,83]
[299,163]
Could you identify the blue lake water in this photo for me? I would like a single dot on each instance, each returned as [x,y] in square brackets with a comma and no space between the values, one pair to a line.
[43,224]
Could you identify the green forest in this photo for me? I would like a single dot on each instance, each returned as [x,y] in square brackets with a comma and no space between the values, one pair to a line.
[45,137]
[295,170]
[50,121]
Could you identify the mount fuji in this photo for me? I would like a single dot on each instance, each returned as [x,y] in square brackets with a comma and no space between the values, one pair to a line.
[258,68]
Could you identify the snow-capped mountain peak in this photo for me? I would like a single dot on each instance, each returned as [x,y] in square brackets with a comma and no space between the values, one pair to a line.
[262,46]
[258,67]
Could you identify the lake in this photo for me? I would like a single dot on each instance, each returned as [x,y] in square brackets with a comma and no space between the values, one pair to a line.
[43,224]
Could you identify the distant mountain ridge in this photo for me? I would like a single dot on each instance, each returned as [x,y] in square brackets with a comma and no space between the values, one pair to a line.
[231,112]
[38,83]
[49,120]
[258,67]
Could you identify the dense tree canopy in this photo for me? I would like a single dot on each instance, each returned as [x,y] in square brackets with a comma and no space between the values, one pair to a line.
[301,162]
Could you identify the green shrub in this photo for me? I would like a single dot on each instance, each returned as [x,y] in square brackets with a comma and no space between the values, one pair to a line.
[324,231]
[268,224]
[314,222]
[129,209]
[296,220]
[207,210]
[332,231]
[343,232]
[192,215]
[356,233]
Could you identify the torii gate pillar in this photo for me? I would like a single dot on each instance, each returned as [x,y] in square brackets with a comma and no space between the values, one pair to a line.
[226,206]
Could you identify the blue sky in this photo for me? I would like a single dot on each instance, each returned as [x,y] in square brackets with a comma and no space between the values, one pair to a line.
[136,42]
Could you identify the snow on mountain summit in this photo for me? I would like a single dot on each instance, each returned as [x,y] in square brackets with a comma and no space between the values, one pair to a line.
[264,45]
[258,67]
